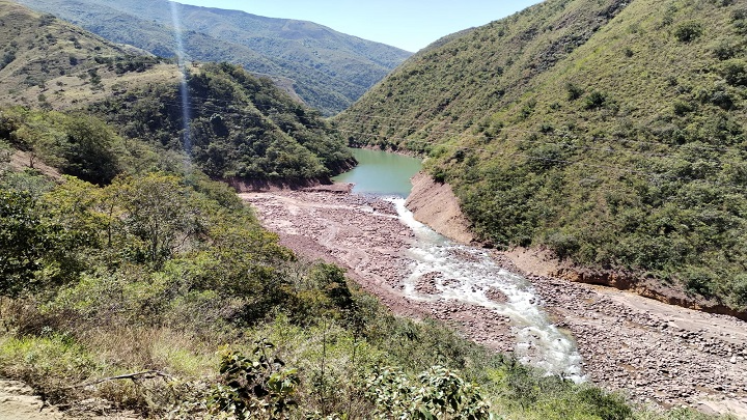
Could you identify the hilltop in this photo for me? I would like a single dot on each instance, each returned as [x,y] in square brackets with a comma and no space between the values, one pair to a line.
[244,128]
[327,69]
[610,132]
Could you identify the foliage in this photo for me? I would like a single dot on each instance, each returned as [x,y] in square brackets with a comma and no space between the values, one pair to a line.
[241,127]
[618,161]
[88,150]
[439,394]
[688,31]
[261,388]
[126,307]
[25,239]
[5,155]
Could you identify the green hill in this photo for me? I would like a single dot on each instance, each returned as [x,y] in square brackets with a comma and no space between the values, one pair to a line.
[243,127]
[137,282]
[329,70]
[610,131]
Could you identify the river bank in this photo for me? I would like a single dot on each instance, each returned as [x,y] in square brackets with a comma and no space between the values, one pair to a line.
[650,351]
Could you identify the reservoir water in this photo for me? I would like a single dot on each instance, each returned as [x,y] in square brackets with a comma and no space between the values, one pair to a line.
[381,173]
[466,274]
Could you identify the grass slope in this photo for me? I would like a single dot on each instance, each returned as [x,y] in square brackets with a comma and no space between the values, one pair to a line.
[609,131]
[329,70]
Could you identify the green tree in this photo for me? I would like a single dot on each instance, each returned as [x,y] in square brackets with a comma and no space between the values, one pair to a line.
[25,240]
[157,211]
[89,150]
[688,31]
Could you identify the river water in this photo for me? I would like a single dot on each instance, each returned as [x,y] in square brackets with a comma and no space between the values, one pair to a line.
[381,173]
[466,275]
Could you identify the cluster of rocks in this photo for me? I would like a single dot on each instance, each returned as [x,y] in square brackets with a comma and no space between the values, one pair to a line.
[646,354]
[427,284]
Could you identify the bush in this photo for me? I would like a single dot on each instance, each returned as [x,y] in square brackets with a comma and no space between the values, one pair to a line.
[25,239]
[682,107]
[735,72]
[595,100]
[739,291]
[688,31]
[725,50]
[574,92]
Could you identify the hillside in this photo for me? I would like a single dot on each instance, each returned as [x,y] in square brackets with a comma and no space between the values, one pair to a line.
[329,70]
[611,132]
[243,127]
[160,295]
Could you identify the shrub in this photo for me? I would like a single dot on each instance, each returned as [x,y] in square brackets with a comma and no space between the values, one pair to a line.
[46,19]
[249,389]
[688,31]
[440,393]
[699,281]
[682,107]
[739,291]
[735,72]
[725,50]
[595,100]
[574,92]
[26,239]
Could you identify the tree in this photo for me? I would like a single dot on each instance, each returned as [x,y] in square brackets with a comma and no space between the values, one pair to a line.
[25,240]
[688,31]
[157,210]
[89,152]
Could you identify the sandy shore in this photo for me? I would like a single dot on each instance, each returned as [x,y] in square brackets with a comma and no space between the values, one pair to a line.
[645,349]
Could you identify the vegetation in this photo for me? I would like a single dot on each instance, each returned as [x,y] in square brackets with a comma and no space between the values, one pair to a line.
[239,126]
[168,280]
[327,69]
[611,132]
[130,280]
[47,63]
[155,275]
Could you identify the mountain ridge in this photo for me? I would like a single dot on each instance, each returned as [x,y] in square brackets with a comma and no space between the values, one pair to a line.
[244,127]
[329,72]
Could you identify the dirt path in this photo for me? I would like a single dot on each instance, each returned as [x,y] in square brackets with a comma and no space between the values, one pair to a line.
[17,402]
[648,350]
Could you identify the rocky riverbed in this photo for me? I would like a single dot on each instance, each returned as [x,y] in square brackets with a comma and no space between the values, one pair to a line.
[648,350]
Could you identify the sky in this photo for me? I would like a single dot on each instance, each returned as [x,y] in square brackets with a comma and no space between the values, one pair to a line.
[407,24]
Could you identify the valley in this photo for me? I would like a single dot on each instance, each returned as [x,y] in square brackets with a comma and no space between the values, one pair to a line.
[195,221]
[648,350]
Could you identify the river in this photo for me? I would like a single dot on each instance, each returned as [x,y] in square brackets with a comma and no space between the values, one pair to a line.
[463,274]
[381,173]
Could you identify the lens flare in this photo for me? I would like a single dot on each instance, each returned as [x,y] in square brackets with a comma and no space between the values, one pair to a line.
[184,90]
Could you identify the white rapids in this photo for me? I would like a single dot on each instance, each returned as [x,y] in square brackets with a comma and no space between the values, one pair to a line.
[468,274]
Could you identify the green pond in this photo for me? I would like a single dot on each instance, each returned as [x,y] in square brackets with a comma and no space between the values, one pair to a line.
[381,173]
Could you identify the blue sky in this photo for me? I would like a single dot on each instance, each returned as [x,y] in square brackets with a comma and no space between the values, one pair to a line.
[407,24]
